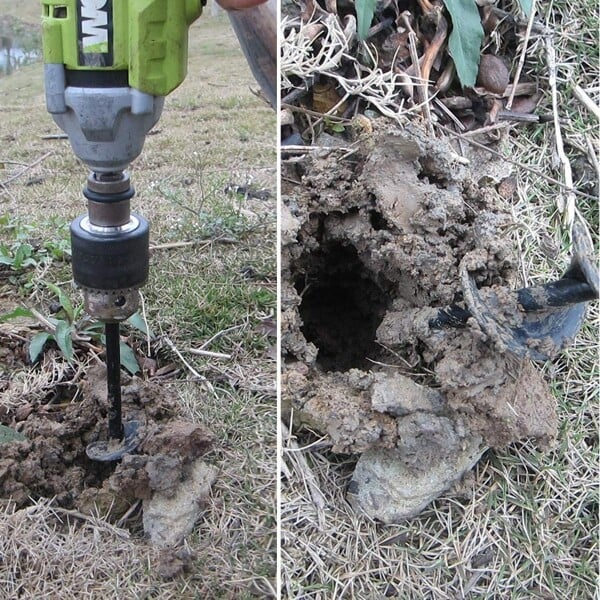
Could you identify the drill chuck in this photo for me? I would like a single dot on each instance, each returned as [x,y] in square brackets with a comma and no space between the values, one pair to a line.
[110,249]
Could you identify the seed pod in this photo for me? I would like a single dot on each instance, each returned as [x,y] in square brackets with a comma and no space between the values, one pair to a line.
[493,74]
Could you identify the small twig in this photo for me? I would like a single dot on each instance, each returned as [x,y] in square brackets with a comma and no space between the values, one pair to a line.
[90,519]
[304,149]
[314,113]
[143,303]
[209,353]
[565,206]
[414,56]
[205,243]
[43,321]
[580,94]
[379,27]
[525,88]
[517,117]
[129,512]
[592,156]
[188,365]
[26,168]
[449,113]
[485,129]
[171,245]
[522,57]
[219,334]
[12,162]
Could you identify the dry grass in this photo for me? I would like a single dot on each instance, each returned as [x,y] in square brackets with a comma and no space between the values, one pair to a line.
[214,132]
[65,555]
[524,525]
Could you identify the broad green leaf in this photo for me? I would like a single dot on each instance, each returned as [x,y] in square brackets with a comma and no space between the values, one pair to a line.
[64,340]
[128,360]
[137,322]
[22,253]
[464,43]
[64,300]
[10,435]
[36,345]
[365,9]
[92,328]
[526,7]
[20,311]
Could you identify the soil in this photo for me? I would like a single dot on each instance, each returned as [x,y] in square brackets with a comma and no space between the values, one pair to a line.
[373,245]
[52,462]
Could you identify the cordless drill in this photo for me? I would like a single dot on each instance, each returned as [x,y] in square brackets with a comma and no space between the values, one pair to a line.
[108,66]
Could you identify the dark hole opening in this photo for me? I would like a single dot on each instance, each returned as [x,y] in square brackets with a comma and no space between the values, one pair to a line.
[378,221]
[342,306]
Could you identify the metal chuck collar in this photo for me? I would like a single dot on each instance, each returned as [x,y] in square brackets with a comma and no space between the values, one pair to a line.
[110,248]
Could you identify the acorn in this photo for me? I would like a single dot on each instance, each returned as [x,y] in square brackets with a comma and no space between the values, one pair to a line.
[493,74]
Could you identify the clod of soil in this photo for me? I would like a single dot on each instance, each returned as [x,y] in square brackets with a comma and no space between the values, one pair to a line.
[372,247]
[52,463]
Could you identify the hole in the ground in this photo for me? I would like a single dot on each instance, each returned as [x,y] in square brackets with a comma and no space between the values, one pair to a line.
[430,174]
[378,221]
[342,306]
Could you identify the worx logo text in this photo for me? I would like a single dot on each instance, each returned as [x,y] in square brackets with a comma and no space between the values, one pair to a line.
[94,25]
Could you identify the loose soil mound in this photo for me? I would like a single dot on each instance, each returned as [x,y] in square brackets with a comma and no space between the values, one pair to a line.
[52,462]
[373,246]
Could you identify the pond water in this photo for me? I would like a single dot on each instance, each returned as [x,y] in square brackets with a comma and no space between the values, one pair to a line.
[13,56]
[20,44]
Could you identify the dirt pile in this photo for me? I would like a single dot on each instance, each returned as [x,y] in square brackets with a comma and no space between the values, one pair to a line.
[52,462]
[373,246]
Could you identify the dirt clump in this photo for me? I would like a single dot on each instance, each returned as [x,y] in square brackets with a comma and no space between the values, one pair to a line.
[52,462]
[373,248]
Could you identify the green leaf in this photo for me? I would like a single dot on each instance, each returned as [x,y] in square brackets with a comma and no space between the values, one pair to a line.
[365,9]
[64,340]
[10,435]
[20,311]
[36,345]
[526,7]
[464,43]
[64,300]
[128,360]
[137,322]
[23,252]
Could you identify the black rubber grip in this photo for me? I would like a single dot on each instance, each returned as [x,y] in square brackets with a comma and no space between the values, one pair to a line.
[118,261]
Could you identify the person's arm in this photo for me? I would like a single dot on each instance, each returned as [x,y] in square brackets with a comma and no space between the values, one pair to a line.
[239,4]
[255,24]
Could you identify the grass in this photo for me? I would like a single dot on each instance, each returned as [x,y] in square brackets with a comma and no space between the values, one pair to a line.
[213,273]
[524,524]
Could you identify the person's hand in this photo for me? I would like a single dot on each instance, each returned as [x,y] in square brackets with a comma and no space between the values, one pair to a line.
[239,4]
